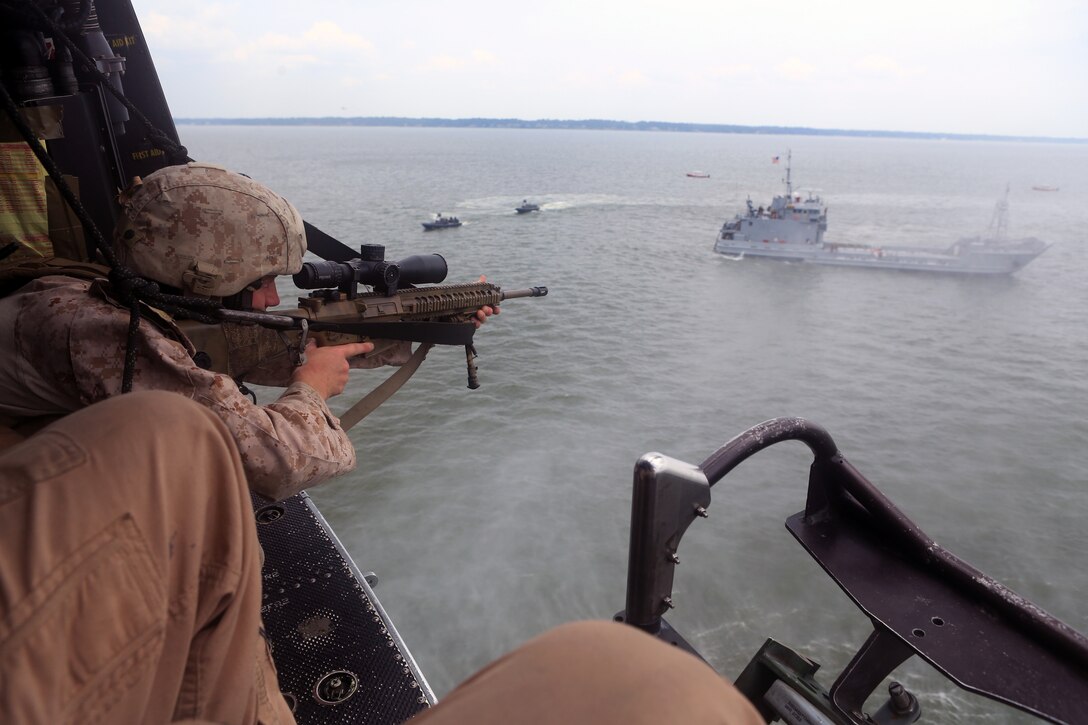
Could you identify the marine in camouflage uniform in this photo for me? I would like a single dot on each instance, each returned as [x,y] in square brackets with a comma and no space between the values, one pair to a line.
[205,231]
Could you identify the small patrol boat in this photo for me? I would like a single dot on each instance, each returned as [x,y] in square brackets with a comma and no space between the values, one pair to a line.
[527,207]
[441,222]
[792,229]
[698,174]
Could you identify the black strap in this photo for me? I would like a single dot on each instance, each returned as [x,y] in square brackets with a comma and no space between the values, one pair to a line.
[327,247]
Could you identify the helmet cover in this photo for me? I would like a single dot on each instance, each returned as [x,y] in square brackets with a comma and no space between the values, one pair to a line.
[207,231]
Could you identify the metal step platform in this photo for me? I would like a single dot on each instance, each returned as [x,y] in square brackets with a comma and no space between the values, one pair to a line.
[339,657]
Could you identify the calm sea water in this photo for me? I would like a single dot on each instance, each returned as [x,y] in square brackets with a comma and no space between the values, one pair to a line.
[492,515]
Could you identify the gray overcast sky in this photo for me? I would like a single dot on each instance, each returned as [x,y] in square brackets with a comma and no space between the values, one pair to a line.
[957,66]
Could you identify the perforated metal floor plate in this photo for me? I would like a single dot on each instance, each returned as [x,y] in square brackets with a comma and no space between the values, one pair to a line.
[339,658]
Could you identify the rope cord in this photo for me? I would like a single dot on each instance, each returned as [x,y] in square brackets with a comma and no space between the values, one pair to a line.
[130,288]
[176,152]
[32,19]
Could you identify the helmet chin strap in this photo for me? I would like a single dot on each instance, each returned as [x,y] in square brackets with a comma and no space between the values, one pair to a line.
[242,300]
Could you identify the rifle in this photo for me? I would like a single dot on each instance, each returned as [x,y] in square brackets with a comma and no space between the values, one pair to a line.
[252,345]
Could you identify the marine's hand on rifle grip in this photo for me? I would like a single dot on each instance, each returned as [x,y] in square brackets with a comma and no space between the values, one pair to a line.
[326,368]
[484,312]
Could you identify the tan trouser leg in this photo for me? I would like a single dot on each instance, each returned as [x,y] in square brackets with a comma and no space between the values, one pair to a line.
[130,586]
[594,672]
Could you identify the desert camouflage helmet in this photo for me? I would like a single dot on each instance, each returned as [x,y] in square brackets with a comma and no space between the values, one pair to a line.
[207,231]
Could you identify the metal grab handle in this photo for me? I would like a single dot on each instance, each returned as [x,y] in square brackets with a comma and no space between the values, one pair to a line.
[767,433]
[921,598]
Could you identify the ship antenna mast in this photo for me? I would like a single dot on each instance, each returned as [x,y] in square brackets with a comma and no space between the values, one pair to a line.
[999,222]
[789,184]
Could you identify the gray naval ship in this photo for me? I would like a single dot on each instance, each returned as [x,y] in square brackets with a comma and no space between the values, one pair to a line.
[792,229]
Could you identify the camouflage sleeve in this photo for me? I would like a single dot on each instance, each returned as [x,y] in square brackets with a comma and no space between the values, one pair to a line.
[75,343]
[286,446]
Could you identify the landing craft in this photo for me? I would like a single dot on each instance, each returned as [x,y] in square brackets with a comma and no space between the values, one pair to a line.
[791,228]
[339,656]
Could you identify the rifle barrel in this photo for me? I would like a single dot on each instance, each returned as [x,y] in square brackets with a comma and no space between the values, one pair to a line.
[531,292]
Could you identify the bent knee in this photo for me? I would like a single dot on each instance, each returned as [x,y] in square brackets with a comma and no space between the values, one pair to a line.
[604,635]
[162,407]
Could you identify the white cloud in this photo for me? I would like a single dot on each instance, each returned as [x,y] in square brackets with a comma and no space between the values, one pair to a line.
[323,40]
[577,78]
[450,63]
[731,71]
[267,44]
[885,66]
[632,78]
[442,64]
[197,32]
[795,69]
[882,65]
[329,36]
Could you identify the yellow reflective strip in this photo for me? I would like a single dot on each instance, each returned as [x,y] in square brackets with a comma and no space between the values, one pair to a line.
[23,209]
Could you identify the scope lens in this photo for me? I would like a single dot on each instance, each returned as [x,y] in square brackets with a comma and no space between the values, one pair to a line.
[314,275]
[422,268]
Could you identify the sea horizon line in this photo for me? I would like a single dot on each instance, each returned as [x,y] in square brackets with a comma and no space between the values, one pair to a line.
[610,125]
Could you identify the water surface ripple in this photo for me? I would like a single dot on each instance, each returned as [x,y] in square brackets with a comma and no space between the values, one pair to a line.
[491,515]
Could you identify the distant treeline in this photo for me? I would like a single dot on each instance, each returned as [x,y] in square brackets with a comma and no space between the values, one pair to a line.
[594,124]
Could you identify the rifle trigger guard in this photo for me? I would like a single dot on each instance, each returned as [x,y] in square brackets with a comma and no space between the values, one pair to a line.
[300,354]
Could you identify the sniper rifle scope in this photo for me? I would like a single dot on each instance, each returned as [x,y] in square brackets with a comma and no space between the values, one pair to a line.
[371,268]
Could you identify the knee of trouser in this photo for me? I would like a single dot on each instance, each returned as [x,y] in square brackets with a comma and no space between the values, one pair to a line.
[164,408]
[620,658]
[603,633]
[601,643]
[9,437]
[621,648]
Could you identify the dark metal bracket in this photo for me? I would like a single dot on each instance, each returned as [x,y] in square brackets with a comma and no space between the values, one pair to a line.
[921,599]
[669,496]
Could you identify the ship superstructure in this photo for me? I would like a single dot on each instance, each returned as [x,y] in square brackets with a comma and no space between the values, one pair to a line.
[792,229]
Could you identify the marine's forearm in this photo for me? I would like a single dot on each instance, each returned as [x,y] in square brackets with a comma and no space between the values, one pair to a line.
[288,445]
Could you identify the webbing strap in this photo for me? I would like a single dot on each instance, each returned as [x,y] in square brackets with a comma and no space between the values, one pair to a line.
[34,268]
[327,247]
[369,402]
